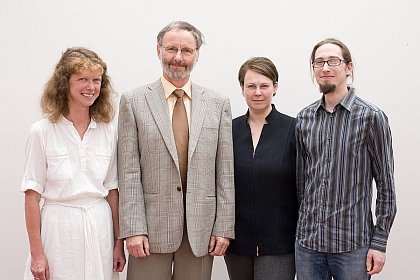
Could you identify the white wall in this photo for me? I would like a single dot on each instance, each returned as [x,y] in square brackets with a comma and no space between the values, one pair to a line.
[383,36]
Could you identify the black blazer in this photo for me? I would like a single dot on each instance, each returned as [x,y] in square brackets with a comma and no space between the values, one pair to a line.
[265,187]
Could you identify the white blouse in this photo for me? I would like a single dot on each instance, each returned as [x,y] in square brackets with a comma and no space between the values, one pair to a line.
[61,166]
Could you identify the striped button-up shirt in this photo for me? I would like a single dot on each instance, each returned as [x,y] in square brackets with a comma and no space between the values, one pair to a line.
[338,156]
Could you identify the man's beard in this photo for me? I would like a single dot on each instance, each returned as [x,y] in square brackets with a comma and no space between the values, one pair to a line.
[176,75]
[327,88]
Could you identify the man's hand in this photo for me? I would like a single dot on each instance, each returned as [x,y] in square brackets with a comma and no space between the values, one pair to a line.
[138,246]
[375,261]
[218,245]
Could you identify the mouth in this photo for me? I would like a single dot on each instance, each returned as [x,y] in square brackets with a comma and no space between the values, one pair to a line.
[90,95]
[178,65]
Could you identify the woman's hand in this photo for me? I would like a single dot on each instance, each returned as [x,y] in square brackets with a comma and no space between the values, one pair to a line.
[39,267]
[119,256]
[39,263]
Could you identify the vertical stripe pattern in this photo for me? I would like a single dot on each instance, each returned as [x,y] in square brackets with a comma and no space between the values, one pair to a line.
[339,154]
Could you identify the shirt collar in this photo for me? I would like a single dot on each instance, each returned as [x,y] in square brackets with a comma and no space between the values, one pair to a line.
[269,117]
[169,88]
[65,121]
[346,102]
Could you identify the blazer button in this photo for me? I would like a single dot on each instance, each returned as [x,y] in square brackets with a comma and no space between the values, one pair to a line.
[178,189]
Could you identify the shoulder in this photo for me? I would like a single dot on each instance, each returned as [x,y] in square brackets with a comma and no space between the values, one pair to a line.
[40,131]
[41,126]
[141,90]
[369,110]
[285,118]
[311,108]
[236,121]
[209,93]
[365,104]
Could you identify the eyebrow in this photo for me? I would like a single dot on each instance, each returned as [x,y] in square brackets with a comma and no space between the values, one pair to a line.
[322,57]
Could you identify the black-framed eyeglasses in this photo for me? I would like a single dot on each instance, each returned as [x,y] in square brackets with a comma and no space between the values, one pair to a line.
[330,62]
[184,51]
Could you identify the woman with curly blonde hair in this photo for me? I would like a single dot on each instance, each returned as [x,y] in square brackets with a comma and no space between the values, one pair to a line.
[71,164]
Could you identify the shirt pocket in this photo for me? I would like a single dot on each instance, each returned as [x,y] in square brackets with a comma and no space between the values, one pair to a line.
[58,165]
[103,160]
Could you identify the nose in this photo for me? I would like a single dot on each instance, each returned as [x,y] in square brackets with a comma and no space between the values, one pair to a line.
[325,67]
[258,91]
[90,85]
[178,54]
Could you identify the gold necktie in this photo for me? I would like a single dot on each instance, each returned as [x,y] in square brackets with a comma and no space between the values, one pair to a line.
[181,135]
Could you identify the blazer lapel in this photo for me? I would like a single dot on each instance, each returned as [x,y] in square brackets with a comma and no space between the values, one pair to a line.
[155,98]
[197,117]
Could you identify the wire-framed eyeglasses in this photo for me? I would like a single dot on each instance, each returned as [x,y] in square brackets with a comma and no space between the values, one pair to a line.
[184,51]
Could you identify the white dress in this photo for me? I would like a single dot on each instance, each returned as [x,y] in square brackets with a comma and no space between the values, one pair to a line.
[73,176]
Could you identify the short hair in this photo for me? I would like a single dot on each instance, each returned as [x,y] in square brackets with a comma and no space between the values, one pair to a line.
[76,60]
[182,25]
[261,65]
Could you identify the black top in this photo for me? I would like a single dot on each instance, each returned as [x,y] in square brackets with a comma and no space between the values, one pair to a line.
[266,206]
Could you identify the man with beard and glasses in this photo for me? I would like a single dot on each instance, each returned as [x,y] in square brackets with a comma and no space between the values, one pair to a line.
[175,163]
[343,144]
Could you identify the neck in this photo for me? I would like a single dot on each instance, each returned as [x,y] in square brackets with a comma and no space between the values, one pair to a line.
[80,120]
[78,116]
[333,98]
[177,83]
[259,117]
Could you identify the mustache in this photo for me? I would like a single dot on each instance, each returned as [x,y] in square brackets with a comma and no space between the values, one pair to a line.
[178,64]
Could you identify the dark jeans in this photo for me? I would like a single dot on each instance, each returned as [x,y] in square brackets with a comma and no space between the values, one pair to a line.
[316,265]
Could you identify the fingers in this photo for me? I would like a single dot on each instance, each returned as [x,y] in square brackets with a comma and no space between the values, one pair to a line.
[39,267]
[146,247]
[369,261]
[375,261]
[221,246]
[378,265]
[138,246]
[212,243]
[119,265]
[369,267]
[119,258]
[41,275]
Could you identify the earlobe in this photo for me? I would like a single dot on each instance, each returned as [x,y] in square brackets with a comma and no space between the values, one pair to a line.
[349,68]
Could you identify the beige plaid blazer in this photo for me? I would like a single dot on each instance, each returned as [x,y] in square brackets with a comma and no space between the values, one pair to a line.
[151,202]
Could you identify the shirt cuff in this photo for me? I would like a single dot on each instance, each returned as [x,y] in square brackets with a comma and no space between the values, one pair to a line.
[379,240]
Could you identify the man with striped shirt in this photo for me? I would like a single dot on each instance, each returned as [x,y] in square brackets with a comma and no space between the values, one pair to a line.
[343,144]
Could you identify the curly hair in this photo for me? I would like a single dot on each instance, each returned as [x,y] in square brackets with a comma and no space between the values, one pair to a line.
[54,101]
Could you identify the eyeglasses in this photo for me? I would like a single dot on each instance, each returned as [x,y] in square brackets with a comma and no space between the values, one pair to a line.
[330,62]
[184,51]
